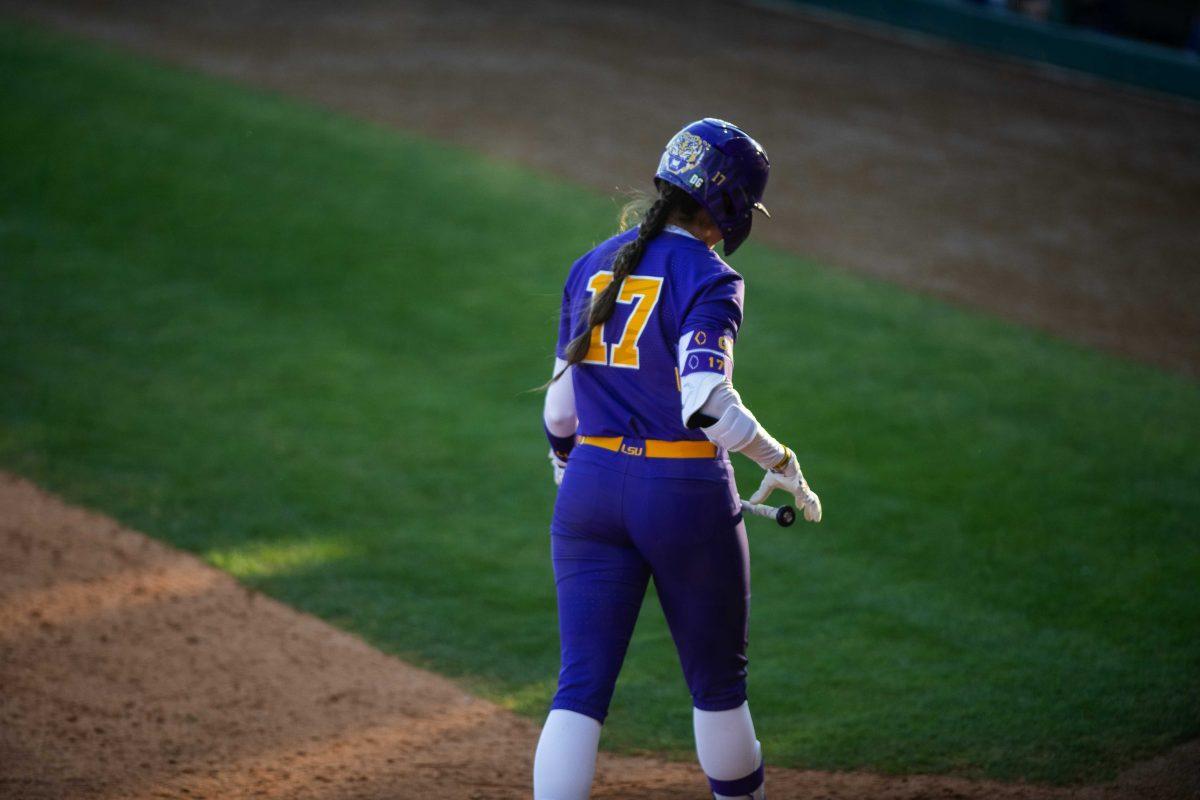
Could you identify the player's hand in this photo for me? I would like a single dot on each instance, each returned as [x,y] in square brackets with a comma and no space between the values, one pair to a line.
[559,467]
[790,479]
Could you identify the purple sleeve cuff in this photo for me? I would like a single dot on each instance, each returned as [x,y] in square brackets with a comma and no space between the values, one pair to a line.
[561,445]
[740,787]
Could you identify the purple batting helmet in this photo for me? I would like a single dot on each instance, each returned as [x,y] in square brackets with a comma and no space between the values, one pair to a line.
[723,169]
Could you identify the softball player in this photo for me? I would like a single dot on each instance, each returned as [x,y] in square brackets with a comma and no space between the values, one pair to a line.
[641,414]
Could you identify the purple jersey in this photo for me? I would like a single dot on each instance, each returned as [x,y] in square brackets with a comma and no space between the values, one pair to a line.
[629,383]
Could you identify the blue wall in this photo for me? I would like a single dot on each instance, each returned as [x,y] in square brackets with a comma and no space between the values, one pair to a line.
[1136,63]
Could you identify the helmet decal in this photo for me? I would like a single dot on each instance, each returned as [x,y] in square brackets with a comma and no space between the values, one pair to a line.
[683,153]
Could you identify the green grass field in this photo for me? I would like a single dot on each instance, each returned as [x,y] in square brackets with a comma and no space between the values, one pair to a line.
[298,344]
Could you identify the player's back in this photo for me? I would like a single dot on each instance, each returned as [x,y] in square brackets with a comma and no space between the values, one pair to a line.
[629,382]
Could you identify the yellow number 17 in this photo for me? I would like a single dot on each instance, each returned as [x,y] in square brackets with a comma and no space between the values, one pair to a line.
[639,289]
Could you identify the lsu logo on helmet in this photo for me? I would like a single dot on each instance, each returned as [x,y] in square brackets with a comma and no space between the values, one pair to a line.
[683,153]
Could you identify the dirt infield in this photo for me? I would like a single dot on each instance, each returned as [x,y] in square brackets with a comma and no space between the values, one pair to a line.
[132,670]
[1068,207]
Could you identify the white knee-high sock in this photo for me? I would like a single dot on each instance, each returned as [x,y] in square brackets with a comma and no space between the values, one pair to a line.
[566,756]
[726,745]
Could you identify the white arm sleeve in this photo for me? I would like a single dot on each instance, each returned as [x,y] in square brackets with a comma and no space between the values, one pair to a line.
[695,388]
[559,410]
[736,428]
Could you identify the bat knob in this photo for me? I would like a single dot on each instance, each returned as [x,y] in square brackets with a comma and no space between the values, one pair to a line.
[785,516]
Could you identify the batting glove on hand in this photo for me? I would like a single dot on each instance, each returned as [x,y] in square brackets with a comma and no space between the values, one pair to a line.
[559,466]
[790,479]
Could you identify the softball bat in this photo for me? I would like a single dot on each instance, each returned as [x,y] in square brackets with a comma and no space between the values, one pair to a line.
[784,515]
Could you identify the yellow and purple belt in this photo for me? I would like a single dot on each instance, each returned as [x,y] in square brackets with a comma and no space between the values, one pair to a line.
[652,448]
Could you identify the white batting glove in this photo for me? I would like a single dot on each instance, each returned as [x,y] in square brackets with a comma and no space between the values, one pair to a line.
[559,467]
[790,479]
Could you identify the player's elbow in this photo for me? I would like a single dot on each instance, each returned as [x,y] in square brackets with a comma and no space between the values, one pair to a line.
[560,422]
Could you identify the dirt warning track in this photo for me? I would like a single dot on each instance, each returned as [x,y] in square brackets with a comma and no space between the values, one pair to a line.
[132,670]
[1065,206]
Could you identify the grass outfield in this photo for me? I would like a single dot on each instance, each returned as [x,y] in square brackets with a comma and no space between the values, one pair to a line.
[298,344]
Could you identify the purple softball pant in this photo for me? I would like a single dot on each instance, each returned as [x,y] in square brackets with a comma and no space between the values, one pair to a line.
[621,520]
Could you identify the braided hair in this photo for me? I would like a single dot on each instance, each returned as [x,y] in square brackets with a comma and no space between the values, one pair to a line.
[671,199]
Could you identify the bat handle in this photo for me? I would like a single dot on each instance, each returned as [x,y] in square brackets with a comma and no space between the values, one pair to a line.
[784,516]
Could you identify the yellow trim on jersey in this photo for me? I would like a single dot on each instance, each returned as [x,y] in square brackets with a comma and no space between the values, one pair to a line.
[654,448]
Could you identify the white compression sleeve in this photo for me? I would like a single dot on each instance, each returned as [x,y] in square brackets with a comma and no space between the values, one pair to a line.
[565,762]
[736,428]
[710,394]
[726,744]
[559,410]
